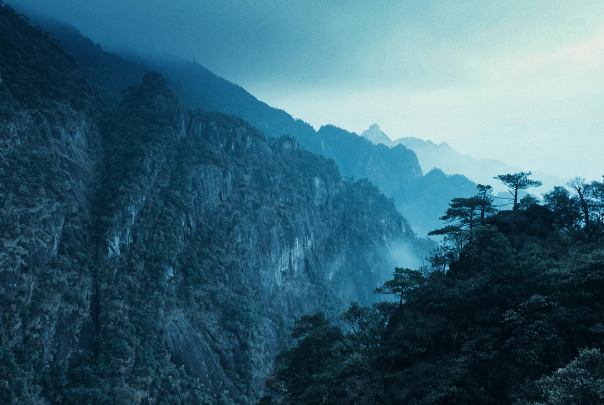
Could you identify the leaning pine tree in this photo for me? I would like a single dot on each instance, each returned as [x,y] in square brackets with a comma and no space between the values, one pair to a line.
[516,182]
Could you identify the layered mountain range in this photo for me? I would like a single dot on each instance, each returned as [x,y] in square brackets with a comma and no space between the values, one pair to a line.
[444,157]
[421,196]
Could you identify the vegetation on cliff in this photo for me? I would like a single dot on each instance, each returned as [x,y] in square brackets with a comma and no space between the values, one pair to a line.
[154,254]
[34,70]
[515,319]
[421,197]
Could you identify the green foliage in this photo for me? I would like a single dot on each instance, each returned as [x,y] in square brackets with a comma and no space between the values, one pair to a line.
[367,325]
[403,281]
[579,382]
[590,201]
[500,326]
[304,370]
[516,182]
[527,201]
[14,382]
[566,208]
[465,216]
[36,72]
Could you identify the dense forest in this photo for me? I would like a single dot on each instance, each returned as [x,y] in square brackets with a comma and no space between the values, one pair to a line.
[514,316]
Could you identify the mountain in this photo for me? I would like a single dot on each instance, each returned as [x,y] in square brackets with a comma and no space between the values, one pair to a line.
[396,172]
[422,198]
[375,135]
[151,253]
[444,157]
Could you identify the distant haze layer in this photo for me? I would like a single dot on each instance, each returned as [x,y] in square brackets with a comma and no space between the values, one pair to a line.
[518,81]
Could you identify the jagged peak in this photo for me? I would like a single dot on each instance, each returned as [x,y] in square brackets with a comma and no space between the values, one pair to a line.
[375,135]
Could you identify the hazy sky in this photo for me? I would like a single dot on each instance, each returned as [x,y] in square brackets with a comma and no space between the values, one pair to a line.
[517,80]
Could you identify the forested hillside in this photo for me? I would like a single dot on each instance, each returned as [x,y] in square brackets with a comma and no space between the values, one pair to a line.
[514,318]
[152,254]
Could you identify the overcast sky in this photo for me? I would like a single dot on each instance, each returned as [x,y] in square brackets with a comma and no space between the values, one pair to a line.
[517,80]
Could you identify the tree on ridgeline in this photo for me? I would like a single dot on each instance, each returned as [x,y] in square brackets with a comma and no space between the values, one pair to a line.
[590,201]
[462,216]
[565,207]
[403,281]
[596,190]
[527,201]
[485,201]
[516,182]
[463,211]
[583,191]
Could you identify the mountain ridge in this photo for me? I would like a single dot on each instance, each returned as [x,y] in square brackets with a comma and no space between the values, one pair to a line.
[200,88]
[155,254]
[446,158]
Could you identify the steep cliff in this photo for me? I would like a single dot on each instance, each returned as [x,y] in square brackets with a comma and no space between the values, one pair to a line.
[234,234]
[49,174]
[396,171]
[153,254]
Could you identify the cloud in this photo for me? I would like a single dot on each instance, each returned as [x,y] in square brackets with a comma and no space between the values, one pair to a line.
[584,55]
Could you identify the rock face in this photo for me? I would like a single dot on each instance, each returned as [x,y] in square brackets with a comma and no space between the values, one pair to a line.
[240,234]
[189,350]
[49,179]
[154,254]
[376,136]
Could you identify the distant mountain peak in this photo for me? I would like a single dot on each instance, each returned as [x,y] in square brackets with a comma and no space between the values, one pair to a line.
[376,136]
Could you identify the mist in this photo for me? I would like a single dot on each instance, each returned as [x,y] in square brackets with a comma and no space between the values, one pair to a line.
[404,255]
[522,82]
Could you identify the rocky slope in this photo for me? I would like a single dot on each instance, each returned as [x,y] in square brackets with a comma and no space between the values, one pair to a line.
[153,254]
